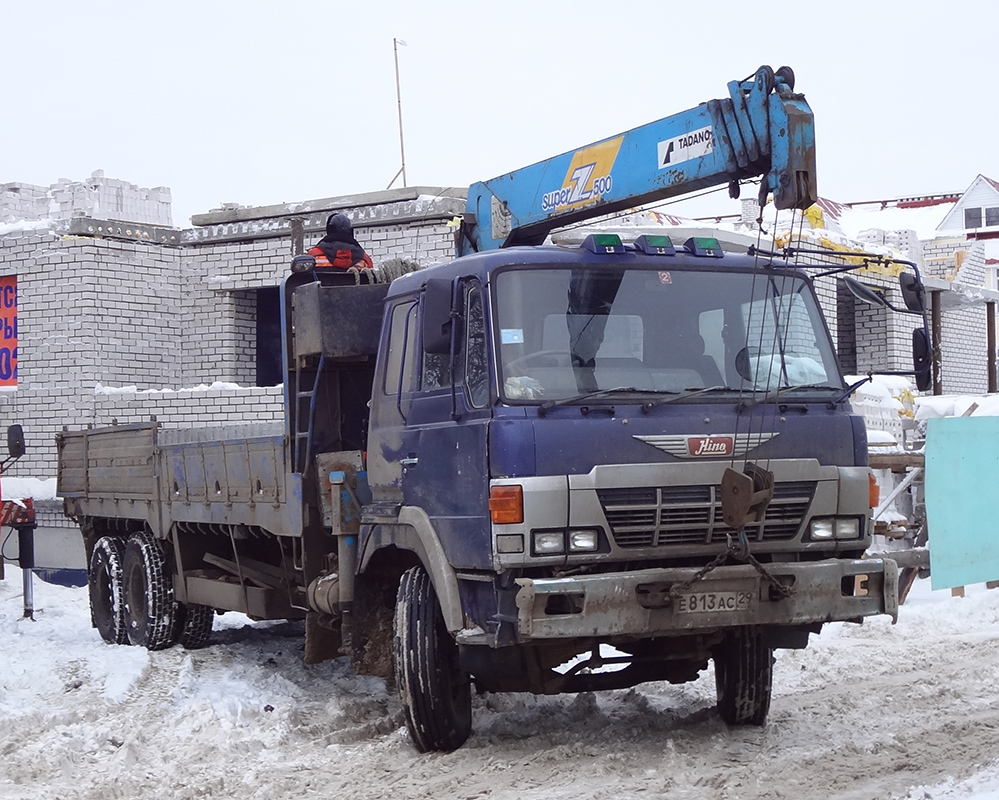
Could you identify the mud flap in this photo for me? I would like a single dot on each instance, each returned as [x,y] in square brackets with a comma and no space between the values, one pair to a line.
[891,589]
[321,643]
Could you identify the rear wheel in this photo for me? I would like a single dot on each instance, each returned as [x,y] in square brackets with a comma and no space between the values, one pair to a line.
[149,606]
[193,625]
[435,693]
[744,677]
[106,589]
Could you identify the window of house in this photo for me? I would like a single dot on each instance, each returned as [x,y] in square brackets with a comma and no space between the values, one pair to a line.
[992,216]
[972,218]
[269,369]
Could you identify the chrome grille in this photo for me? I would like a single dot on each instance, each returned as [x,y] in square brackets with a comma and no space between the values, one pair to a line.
[663,516]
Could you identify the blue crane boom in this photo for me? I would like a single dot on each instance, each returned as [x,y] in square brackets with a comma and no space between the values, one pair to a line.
[762,129]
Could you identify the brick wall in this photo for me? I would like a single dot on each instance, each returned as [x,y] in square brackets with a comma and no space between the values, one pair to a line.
[127,322]
[97,197]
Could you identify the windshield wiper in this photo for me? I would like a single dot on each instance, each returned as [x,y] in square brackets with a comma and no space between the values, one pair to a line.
[646,407]
[548,405]
[776,393]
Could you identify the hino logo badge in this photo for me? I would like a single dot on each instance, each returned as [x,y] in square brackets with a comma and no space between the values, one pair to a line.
[712,445]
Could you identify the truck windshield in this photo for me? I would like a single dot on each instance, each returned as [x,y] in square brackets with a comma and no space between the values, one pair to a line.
[565,332]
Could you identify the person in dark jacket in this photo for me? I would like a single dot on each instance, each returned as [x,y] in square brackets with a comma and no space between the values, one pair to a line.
[339,248]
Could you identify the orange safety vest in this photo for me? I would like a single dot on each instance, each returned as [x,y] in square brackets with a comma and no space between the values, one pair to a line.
[343,259]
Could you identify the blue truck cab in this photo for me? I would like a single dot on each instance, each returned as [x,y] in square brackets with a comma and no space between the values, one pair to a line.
[549,436]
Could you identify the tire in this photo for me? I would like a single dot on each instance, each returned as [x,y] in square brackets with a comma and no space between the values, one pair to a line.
[436,695]
[193,625]
[149,606]
[744,677]
[105,585]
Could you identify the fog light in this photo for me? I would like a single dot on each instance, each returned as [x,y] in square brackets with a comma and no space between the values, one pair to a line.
[549,543]
[582,541]
[822,528]
[847,528]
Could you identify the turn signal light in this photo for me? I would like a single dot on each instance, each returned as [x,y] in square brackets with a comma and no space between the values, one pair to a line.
[874,491]
[506,505]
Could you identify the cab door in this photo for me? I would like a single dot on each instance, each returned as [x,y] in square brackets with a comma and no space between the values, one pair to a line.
[445,465]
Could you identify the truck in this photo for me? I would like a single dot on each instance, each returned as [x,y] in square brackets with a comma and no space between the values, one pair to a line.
[540,468]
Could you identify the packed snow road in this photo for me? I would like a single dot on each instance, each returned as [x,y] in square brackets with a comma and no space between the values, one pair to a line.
[873,711]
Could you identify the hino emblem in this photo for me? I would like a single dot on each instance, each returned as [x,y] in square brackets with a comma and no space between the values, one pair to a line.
[708,446]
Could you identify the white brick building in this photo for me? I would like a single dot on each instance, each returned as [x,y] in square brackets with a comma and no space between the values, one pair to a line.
[121,320]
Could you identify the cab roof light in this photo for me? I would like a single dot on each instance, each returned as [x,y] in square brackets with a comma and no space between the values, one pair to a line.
[704,246]
[655,245]
[603,243]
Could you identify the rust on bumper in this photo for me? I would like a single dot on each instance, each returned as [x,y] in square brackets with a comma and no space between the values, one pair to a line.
[618,604]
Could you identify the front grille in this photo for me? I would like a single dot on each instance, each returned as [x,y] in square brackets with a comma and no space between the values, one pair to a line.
[664,516]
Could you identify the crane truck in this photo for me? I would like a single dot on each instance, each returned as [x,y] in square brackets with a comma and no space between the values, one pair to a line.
[537,468]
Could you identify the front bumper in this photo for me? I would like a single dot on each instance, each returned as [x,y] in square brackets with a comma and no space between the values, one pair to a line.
[637,604]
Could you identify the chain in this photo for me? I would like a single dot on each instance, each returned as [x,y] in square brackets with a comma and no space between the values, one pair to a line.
[740,552]
[677,588]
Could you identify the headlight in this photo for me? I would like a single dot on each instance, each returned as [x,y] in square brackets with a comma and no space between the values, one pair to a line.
[582,541]
[835,528]
[549,543]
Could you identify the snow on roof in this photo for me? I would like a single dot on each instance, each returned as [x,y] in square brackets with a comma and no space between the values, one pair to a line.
[35,488]
[923,219]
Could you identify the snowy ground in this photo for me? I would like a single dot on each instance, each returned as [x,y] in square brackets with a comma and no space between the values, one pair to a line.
[873,711]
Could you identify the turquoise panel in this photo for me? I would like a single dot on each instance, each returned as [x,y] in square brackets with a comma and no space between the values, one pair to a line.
[962,486]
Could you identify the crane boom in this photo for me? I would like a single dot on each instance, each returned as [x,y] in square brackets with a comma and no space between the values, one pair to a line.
[762,129]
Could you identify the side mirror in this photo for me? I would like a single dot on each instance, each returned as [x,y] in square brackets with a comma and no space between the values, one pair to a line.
[15,442]
[863,293]
[303,263]
[921,358]
[913,292]
[436,323]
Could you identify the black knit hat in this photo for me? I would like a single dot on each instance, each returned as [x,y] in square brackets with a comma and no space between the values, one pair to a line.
[338,226]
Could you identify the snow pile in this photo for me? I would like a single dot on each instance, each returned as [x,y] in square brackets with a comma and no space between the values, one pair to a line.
[885,402]
[956,406]
[35,488]
[906,712]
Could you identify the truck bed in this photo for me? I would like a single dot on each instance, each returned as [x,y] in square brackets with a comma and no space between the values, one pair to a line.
[234,475]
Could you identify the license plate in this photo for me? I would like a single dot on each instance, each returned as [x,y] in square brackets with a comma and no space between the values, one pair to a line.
[713,601]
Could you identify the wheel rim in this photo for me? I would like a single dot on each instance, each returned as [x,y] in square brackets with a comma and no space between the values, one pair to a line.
[135,602]
[103,598]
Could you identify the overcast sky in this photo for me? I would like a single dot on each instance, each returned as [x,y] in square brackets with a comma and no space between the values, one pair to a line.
[266,102]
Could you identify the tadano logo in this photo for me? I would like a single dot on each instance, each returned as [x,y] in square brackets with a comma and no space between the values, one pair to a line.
[686,147]
[587,179]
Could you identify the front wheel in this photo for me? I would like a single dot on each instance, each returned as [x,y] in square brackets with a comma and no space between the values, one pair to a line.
[744,677]
[436,694]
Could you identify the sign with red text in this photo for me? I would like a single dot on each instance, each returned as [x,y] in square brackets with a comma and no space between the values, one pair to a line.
[8,330]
